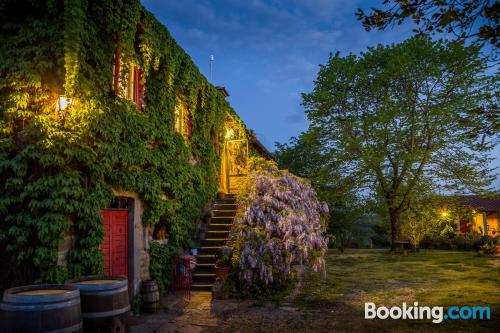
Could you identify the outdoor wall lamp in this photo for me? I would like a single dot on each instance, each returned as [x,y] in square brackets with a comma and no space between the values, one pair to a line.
[63,102]
[229,133]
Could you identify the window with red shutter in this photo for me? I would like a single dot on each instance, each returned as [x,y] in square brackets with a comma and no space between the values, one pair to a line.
[127,81]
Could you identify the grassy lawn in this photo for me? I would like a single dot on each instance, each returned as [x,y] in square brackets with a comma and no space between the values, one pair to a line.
[431,277]
[336,304]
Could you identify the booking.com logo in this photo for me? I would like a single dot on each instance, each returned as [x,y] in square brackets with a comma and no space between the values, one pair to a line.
[436,313]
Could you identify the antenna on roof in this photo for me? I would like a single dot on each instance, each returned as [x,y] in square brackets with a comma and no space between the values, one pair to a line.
[211,66]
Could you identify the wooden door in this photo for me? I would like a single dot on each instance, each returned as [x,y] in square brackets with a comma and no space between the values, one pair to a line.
[236,163]
[115,244]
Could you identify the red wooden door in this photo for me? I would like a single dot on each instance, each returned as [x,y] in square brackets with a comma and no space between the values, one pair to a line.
[115,244]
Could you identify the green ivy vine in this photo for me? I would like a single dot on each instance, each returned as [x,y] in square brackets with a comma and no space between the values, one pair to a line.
[58,169]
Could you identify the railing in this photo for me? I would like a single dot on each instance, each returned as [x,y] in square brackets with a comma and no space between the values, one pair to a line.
[183,275]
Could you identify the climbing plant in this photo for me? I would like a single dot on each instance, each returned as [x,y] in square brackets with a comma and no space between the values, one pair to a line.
[280,222]
[59,168]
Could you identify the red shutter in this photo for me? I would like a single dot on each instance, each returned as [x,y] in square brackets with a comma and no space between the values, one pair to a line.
[138,88]
[116,72]
[189,123]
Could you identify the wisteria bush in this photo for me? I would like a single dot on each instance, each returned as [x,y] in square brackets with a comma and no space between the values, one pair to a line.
[280,222]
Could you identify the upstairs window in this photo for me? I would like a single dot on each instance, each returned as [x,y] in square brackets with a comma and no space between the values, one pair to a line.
[182,124]
[127,81]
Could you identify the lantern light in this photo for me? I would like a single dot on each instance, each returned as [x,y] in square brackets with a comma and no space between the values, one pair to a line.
[63,102]
[229,133]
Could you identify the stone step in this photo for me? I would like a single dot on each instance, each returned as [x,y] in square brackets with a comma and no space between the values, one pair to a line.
[218,233]
[225,201]
[226,206]
[206,258]
[220,227]
[205,269]
[221,219]
[221,213]
[209,250]
[201,286]
[204,277]
[213,242]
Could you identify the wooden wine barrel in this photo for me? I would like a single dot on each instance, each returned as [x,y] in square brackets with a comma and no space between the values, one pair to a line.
[105,303]
[150,296]
[41,308]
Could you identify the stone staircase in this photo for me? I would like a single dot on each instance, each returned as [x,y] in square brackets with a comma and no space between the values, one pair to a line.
[223,214]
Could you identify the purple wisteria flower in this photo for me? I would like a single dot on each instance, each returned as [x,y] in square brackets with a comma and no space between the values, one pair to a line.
[280,222]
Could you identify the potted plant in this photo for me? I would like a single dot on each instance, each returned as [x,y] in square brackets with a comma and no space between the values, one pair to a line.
[223,264]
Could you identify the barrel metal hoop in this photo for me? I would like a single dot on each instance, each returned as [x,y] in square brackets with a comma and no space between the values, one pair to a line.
[103,293]
[37,307]
[105,314]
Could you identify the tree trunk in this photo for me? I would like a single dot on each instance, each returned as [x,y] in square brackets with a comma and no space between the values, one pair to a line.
[394,217]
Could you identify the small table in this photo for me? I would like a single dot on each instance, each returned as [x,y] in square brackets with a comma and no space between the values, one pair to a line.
[399,246]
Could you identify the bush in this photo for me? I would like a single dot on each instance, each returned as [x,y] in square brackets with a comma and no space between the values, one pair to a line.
[438,242]
[469,243]
[479,241]
[160,264]
[461,244]
[488,248]
[280,222]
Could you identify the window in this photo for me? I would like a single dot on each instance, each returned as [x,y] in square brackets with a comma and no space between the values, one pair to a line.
[182,121]
[127,81]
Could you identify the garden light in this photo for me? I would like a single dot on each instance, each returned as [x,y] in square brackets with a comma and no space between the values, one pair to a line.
[63,102]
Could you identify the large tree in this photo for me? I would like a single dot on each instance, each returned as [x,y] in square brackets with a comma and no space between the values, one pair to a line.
[399,115]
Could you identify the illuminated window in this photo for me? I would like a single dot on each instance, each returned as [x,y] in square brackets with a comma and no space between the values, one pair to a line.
[182,120]
[127,81]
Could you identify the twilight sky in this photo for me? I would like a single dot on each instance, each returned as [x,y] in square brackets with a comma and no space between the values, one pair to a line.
[267,52]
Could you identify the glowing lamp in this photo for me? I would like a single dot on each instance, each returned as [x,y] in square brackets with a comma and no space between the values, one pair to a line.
[229,133]
[444,214]
[63,102]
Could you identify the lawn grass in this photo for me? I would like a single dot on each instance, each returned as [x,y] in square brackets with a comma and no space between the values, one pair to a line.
[430,277]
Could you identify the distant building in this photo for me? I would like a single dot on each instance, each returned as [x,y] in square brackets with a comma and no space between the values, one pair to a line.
[481,217]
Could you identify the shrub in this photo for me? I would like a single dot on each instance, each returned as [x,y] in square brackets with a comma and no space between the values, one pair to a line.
[280,222]
[461,244]
[488,248]
[480,241]
[438,242]
[224,256]
[160,264]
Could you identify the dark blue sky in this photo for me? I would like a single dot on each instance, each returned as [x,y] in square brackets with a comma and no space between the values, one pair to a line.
[267,52]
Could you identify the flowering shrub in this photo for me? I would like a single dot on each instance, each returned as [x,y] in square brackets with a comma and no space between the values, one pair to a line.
[280,222]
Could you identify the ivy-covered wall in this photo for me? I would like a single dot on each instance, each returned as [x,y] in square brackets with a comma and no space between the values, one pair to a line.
[57,169]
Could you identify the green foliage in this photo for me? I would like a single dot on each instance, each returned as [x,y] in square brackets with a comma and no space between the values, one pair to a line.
[305,156]
[488,248]
[427,217]
[136,304]
[400,116]
[224,256]
[160,265]
[58,169]
[471,242]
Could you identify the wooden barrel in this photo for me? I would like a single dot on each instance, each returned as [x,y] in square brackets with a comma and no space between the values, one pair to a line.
[41,308]
[150,296]
[105,303]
